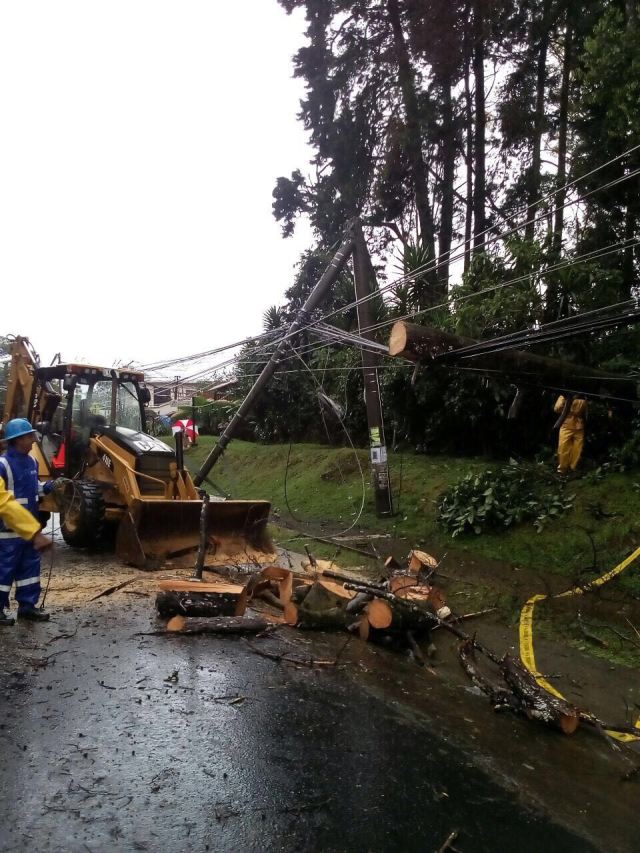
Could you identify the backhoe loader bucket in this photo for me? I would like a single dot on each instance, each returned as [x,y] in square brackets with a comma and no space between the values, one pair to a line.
[154,531]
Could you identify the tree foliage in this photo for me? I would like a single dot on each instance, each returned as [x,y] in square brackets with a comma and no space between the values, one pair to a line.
[452,128]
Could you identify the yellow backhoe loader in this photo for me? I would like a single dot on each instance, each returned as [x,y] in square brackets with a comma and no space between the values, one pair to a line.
[117,482]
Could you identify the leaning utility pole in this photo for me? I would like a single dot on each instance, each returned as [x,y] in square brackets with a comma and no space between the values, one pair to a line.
[302,318]
[365,287]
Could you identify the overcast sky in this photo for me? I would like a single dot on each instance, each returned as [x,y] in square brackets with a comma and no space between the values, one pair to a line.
[140,143]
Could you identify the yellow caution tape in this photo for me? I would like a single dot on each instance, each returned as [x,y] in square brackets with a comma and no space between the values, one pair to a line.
[527,655]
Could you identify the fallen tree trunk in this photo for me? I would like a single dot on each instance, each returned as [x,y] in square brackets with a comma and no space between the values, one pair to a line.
[426,344]
[216,625]
[524,696]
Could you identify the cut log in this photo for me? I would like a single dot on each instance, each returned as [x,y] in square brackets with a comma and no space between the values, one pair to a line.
[388,639]
[420,561]
[216,625]
[176,623]
[336,589]
[225,600]
[189,585]
[449,626]
[396,618]
[358,602]
[324,595]
[317,620]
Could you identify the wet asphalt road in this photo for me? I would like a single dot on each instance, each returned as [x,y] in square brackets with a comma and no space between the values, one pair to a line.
[123,742]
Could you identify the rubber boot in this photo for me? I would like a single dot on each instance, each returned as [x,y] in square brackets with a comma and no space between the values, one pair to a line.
[33,614]
[5,619]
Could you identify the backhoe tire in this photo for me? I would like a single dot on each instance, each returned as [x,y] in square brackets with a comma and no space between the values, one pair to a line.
[82,521]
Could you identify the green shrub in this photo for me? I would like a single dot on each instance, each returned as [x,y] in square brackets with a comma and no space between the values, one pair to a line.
[497,499]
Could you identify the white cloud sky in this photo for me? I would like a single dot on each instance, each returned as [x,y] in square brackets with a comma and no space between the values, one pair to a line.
[140,143]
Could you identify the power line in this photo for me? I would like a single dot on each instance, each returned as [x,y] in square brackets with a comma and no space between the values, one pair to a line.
[160,365]
[434,264]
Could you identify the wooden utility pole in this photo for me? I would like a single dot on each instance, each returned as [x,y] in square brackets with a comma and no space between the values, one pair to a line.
[302,318]
[364,287]
[193,418]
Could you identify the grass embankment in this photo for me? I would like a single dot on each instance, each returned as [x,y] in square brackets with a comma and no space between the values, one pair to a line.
[324,488]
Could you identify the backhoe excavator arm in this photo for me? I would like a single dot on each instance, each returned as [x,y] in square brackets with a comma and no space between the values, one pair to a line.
[21,380]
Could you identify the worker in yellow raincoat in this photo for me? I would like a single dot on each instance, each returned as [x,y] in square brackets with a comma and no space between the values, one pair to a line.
[22,522]
[573,416]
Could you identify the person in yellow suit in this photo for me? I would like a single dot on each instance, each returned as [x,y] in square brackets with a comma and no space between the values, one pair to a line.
[22,522]
[573,416]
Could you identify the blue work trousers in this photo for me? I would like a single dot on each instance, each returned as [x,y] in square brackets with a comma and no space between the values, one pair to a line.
[19,564]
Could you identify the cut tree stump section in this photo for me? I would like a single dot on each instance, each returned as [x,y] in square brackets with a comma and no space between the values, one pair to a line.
[323,607]
[317,620]
[188,598]
[394,617]
[216,625]
[420,561]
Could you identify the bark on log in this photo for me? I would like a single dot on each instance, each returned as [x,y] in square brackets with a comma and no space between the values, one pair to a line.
[358,602]
[396,618]
[499,697]
[426,344]
[267,596]
[227,603]
[216,625]
[524,696]
[317,620]
[536,703]
[300,593]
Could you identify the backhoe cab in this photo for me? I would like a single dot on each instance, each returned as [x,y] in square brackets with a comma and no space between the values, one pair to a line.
[121,483]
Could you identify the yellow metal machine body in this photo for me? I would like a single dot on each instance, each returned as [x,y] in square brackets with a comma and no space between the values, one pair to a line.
[121,484]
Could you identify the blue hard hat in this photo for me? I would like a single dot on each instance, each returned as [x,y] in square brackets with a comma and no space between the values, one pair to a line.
[16,428]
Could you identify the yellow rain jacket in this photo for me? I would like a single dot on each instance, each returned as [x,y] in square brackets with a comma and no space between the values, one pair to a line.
[571,437]
[16,516]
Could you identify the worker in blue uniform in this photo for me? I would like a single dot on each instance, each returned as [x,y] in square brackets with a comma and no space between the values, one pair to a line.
[19,559]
